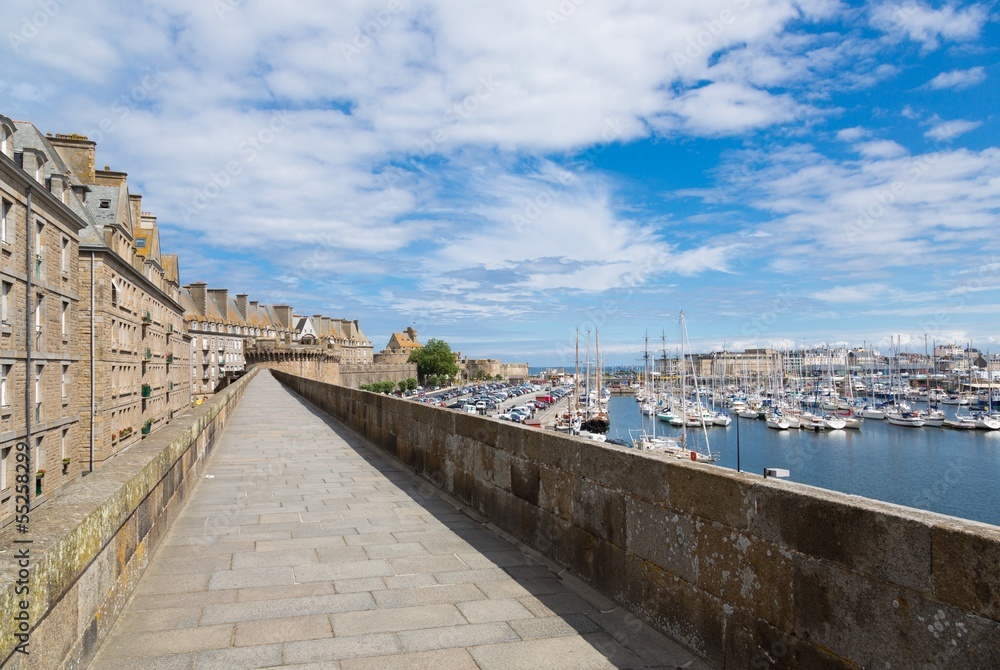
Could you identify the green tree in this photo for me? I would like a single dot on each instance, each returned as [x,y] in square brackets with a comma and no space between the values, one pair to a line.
[432,380]
[435,358]
[412,384]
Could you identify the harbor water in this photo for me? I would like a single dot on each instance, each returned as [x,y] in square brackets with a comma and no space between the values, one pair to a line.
[955,472]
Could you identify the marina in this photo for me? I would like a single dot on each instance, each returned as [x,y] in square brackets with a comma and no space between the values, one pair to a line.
[952,472]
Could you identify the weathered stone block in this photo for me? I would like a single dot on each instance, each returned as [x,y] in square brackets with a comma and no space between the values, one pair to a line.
[666,538]
[874,624]
[746,572]
[524,480]
[710,492]
[555,493]
[753,643]
[599,511]
[966,567]
[859,534]
[680,609]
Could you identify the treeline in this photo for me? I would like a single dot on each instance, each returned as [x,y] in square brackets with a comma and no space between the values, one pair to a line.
[387,387]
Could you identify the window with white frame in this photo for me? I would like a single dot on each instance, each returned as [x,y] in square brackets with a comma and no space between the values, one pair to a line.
[64,326]
[6,222]
[4,462]
[4,299]
[4,375]
[39,453]
[64,255]
[39,369]
[39,311]
[63,443]
[65,382]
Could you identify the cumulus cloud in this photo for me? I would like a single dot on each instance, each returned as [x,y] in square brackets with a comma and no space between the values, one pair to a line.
[944,131]
[958,79]
[922,23]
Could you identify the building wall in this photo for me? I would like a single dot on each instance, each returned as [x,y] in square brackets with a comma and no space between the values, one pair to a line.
[214,356]
[138,329]
[745,571]
[54,374]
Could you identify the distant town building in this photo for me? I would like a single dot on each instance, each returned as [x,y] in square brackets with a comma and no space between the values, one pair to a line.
[219,332]
[399,348]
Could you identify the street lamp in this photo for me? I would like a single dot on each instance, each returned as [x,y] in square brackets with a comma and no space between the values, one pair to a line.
[737,441]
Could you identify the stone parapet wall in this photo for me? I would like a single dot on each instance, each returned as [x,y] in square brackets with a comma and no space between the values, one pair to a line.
[89,546]
[747,572]
[354,376]
[351,375]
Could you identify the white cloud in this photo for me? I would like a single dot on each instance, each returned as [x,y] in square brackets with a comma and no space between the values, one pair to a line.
[727,108]
[922,23]
[852,134]
[949,130]
[881,149]
[859,293]
[958,79]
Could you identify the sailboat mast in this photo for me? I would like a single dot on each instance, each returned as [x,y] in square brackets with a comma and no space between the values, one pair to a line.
[576,372]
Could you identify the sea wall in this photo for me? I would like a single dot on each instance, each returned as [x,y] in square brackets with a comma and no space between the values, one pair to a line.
[746,572]
[88,547]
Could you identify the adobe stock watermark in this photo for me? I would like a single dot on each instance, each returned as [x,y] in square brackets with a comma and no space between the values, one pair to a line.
[763,322]
[32,26]
[453,117]
[367,34]
[223,8]
[958,297]
[536,205]
[247,151]
[703,43]
[596,318]
[563,11]
[127,102]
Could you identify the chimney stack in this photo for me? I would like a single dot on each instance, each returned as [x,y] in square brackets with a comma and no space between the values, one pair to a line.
[221,297]
[284,313]
[241,304]
[199,296]
[78,152]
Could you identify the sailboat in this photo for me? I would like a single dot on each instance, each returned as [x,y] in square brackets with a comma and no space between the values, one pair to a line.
[597,419]
[696,454]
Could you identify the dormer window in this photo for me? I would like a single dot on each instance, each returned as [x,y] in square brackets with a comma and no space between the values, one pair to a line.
[105,204]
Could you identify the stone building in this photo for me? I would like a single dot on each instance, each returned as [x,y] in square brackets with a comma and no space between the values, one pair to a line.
[41,366]
[490,368]
[130,294]
[399,348]
[219,331]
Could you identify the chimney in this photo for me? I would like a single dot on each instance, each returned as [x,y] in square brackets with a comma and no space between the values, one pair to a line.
[221,297]
[284,313]
[109,177]
[199,296]
[135,209]
[78,152]
[241,303]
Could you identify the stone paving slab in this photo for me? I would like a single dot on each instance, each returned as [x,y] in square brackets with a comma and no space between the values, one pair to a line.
[304,548]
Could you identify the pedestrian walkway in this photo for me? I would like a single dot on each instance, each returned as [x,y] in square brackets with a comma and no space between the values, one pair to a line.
[305,548]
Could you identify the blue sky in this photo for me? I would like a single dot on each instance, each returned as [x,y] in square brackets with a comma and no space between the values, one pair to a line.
[498,175]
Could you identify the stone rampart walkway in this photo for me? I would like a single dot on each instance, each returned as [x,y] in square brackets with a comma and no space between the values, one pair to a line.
[304,548]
